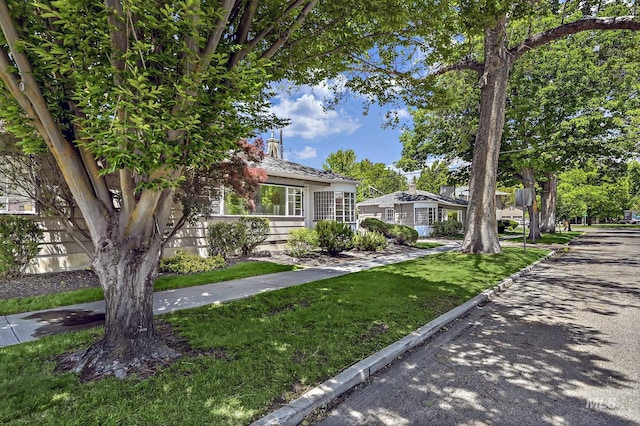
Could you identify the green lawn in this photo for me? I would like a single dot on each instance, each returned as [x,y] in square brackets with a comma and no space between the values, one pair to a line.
[427,245]
[167,282]
[257,352]
[557,238]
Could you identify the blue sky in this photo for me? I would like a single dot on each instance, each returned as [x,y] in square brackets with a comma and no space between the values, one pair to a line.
[314,133]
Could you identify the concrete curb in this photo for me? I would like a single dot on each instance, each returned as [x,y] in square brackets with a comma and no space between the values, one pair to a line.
[294,412]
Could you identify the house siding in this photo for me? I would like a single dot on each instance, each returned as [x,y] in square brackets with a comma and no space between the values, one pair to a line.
[59,252]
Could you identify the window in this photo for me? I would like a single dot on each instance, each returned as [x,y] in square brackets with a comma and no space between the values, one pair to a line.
[324,205]
[13,201]
[294,202]
[338,206]
[389,215]
[425,215]
[271,200]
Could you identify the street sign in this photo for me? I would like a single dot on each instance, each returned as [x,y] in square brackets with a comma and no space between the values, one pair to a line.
[524,197]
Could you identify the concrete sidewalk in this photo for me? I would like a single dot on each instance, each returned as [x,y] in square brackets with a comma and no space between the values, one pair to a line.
[28,326]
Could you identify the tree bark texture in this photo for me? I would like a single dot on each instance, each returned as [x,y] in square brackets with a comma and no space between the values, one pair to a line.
[481,234]
[127,269]
[548,200]
[529,181]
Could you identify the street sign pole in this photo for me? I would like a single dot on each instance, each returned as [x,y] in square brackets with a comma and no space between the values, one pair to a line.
[524,198]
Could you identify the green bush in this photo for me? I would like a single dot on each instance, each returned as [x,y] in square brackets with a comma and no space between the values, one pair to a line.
[375,225]
[334,237]
[302,242]
[187,263]
[256,230]
[447,228]
[504,224]
[224,238]
[20,238]
[404,234]
[369,241]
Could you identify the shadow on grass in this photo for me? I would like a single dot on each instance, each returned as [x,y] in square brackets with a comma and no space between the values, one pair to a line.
[531,358]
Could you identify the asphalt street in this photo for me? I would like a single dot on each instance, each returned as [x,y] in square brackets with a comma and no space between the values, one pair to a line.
[560,347]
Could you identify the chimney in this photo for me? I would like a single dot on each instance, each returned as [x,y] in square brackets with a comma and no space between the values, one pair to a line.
[274,146]
[448,191]
[412,189]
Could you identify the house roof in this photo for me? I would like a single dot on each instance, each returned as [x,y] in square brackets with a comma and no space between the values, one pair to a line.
[464,191]
[283,168]
[405,197]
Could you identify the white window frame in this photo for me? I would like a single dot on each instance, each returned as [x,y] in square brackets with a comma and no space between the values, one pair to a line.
[390,215]
[293,206]
[425,216]
[334,205]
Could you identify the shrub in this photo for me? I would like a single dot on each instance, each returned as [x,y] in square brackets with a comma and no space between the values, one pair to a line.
[334,237]
[404,234]
[504,224]
[224,238]
[375,225]
[256,230]
[302,242]
[20,238]
[369,241]
[447,228]
[187,263]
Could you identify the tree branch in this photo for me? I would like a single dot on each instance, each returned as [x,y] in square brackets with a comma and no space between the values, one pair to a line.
[238,56]
[67,157]
[284,37]
[465,64]
[216,35]
[611,23]
[245,21]
[118,33]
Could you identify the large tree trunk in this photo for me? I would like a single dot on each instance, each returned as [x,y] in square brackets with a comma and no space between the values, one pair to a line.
[127,270]
[529,181]
[549,199]
[481,235]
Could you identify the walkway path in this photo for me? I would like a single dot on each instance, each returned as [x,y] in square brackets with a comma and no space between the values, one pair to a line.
[560,347]
[29,326]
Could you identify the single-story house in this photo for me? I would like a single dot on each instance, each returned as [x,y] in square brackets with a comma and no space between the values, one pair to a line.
[462,192]
[293,196]
[418,209]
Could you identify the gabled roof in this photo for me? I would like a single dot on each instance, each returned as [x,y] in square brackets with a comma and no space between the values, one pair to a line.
[283,168]
[405,197]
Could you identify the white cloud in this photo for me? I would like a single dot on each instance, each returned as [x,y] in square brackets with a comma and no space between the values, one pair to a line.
[309,119]
[306,153]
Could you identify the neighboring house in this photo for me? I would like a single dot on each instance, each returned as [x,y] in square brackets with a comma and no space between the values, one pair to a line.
[511,213]
[294,196]
[462,192]
[418,209]
[13,202]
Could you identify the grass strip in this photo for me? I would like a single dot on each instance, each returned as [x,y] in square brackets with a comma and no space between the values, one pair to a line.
[426,246]
[257,353]
[167,282]
[558,238]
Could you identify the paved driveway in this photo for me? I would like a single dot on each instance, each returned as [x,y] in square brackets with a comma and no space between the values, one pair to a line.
[562,346]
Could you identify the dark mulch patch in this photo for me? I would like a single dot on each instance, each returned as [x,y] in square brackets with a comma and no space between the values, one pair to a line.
[43,284]
[67,362]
